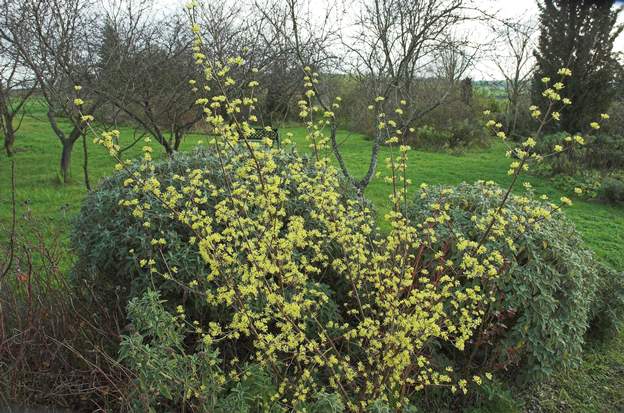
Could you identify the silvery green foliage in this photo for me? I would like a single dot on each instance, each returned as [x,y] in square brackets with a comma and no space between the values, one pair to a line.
[109,242]
[171,375]
[553,290]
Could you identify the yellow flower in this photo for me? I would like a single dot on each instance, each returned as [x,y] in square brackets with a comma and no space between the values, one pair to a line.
[578,191]
[595,125]
[558,148]
[78,102]
[566,201]
[545,79]
[530,142]
[604,116]
[551,94]
[77,88]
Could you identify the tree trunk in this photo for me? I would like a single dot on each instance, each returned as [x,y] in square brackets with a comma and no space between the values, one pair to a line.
[9,131]
[177,140]
[9,140]
[169,150]
[68,145]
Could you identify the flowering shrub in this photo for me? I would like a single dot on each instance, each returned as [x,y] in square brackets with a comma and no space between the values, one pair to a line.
[393,305]
[550,292]
[295,281]
[170,375]
[272,276]
[107,239]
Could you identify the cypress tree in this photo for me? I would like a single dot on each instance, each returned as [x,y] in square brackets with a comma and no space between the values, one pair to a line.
[579,35]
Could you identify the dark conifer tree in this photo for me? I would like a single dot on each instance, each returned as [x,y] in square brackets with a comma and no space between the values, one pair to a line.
[578,34]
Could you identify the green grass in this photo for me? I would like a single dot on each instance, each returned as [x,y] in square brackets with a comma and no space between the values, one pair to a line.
[39,184]
[596,386]
[602,226]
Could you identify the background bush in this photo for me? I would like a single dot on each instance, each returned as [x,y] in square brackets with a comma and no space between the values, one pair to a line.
[601,152]
[455,125]
[612,189]
[457,136]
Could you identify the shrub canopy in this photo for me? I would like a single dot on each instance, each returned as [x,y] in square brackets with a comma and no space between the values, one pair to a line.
[552,287]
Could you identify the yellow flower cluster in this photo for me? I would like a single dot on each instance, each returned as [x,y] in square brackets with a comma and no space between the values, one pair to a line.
[404,291]
[267,266]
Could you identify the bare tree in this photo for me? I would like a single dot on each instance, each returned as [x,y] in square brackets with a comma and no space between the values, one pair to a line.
[16,87]
[291,34]
[391,48]
[516,65]
[455,57]
[51,39]
[146,64]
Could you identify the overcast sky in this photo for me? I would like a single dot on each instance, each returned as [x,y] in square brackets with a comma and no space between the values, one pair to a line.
[515,8]
[524,10]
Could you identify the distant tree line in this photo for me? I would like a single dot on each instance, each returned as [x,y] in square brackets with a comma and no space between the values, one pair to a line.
[135,65]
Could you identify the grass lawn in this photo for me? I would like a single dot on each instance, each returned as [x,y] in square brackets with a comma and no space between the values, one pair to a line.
[596,386]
